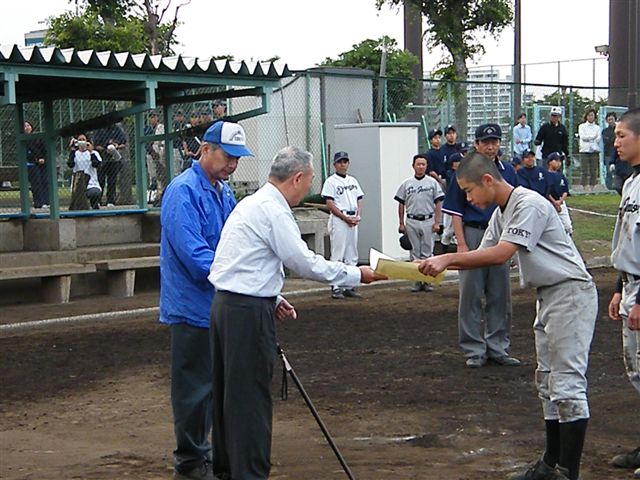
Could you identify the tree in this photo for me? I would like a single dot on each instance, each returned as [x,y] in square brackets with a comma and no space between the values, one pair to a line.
[459,26]
[367,54]
[118,25]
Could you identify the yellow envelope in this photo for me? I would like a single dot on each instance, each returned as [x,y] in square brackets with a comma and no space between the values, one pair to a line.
[385,265]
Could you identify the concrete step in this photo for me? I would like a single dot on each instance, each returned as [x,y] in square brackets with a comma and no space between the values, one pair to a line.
[80,255]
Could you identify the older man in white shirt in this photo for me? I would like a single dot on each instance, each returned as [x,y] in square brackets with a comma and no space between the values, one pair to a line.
[259,238]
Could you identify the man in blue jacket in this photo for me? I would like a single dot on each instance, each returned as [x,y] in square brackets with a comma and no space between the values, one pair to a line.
[195,206]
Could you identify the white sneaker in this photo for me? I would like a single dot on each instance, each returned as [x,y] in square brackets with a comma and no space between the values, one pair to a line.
[45,206]
[110,205]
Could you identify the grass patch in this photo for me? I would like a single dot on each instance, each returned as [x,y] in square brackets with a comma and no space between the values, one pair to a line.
[592,233]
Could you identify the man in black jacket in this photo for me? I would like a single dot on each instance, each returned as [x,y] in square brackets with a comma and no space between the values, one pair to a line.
[553,135]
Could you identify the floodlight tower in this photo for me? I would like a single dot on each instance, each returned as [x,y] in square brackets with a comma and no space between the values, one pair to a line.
[624,50]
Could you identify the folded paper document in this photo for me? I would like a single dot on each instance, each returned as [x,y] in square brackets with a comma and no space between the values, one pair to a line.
[385,265]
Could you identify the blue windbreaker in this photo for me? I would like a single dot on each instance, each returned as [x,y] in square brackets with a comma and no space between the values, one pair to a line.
[192,215]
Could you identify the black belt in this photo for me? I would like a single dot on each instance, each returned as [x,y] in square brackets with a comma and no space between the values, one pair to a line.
[629,277]
[348,212]
[480,225]
[419,217]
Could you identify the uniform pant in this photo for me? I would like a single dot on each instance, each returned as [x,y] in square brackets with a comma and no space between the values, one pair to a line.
[630,338]
[243,343]
[448,233]
[420,235]
[344,241]
[38,179]
[108,178]
[563,329]
[190,395]
[492,283]
[565,218]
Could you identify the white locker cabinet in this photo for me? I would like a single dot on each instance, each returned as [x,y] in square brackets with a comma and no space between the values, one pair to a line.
[380,158]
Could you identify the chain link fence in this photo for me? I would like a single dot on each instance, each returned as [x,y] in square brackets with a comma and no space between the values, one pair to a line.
[303,112]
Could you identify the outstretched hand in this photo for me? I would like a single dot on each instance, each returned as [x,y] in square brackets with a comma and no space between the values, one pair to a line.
[368,275]
[434,265]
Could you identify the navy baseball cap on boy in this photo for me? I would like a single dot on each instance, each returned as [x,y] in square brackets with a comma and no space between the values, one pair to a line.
[488,130]
[340,156]
[554,156]
[449,128]
[433,132]
[231,138]
[456,157]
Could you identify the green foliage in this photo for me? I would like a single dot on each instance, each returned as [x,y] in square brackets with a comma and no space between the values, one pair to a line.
[107,25]
[368,55]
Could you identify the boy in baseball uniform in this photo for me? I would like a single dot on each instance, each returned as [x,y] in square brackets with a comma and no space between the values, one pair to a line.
[343,195]
[526,224]
[420,198]
[625,257]
[558,190]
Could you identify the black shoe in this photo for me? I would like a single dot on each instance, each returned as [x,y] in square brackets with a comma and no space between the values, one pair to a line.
[506,361]
[476,362]
[542,471]
[417,287]
[627,460]
[337,294]
[351,293]
[203,472]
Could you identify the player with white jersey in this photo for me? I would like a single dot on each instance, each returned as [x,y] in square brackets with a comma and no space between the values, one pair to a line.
[625,257]
[527,224]
[420,198]
[343,195]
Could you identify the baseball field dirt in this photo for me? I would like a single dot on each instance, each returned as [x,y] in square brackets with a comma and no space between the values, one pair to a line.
[91,400]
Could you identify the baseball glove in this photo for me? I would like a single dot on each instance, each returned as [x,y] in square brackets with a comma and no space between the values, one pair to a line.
[404,242]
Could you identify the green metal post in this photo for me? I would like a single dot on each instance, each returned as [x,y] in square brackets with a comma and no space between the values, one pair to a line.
[21,151]
[426,131]
[571,137]
[141,166]
[385,98]
[323,153]
[52,164]
[449,101]
[307,117]
[167,114]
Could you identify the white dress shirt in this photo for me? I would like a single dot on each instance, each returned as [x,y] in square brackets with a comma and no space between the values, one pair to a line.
[259,237]
[590,137]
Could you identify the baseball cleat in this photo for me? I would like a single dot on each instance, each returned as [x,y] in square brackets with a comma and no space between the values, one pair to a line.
[627,460]
[476,362]
[337,294]
[542,471]
[351,293]
[417,287]
[506,361]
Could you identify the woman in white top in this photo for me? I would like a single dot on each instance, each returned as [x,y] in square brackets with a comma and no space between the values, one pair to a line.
[590,135]
[85,163]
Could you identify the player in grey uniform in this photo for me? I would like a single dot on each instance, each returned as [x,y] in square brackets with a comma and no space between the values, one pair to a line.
[420,198]
[527,224]
[625,257]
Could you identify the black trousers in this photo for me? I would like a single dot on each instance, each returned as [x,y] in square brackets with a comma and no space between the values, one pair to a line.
[190,395]
[108,176]
[243,346]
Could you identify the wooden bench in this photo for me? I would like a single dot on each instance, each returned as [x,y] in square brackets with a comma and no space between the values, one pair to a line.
[56,279]
[121,273]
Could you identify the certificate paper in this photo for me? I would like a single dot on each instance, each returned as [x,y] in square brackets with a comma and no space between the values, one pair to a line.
[398,269]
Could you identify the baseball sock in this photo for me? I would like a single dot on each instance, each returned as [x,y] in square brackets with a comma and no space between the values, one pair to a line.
[572,440]
[552,449]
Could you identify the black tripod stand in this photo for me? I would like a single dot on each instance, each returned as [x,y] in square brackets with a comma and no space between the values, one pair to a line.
[288,369]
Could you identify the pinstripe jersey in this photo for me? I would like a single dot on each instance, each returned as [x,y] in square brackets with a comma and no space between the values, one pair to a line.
[625,246]
[419,195]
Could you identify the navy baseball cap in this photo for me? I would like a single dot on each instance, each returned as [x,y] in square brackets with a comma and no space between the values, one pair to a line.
[340,156]
[488,130]
[456,157]
[219,102]
[449,128]
[231,138]
[464,147]
[554,156]
[528,153]
[433,132]
[516,161]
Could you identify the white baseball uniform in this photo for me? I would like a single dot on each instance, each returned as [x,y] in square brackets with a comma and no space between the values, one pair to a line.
[345,193]
[419,196]
[567,299]
[625,257]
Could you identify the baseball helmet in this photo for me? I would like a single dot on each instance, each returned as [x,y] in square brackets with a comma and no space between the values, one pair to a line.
[404,242]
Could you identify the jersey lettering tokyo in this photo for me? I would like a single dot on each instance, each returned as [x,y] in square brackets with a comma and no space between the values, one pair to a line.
[419,195]
[344,191]
[547,255]
[625,255]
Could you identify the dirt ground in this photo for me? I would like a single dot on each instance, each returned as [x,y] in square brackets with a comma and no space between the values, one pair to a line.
[91,400]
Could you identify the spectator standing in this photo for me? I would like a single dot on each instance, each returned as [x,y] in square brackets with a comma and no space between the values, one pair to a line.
[532,176]
[553,136]
[259,240]
[436,165]
[194,208]
[343,195]
[37,169]
[155,159]
[490,341]
[219,109]
[558,190]
[420,197]
[450,145]
[608,137]
[85,164]
[521,136]
[179,124]
[590,137]
[625,302]
[109,143]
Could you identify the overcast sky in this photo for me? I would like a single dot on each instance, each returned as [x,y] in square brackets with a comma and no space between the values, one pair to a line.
[304,32]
